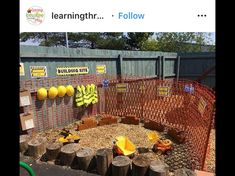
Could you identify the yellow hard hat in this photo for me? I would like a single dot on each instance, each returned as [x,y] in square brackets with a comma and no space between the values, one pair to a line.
[61,91]
[42,94]
[52,93]
[69,90]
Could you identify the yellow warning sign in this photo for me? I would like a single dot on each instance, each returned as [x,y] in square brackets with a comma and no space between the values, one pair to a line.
[38,71]
[60,71]
[22,69]
[121,87]
[163,91]
[100,69]
[202,105]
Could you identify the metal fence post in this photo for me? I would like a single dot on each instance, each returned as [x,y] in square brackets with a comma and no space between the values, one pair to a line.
[119,67]
[159,67]
[163,67]
[178,68]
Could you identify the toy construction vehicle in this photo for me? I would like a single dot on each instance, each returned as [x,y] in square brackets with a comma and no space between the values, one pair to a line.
[160,145]
[123,146]
[68,137]
[163,145]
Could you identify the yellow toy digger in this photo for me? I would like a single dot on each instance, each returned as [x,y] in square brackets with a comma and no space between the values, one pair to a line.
[68,137]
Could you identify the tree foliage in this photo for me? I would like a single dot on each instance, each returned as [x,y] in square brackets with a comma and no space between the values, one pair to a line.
[182,41]
[145,41]
[135,40]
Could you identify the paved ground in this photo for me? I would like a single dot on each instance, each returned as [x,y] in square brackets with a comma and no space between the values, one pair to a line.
[45,169]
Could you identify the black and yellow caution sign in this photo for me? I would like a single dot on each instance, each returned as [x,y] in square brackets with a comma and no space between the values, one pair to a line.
[100,69]
[121,87]
[62,71]
[22,69]
[38,71]
[202,105]
[163,91]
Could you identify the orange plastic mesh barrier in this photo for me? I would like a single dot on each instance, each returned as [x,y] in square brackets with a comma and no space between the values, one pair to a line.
[184,105]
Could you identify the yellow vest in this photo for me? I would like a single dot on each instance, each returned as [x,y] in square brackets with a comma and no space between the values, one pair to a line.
[79,97]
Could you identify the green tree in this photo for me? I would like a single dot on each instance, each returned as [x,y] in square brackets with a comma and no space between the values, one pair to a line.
[105,40]
[44,38]
[182,41]
[149,45]
[135,40]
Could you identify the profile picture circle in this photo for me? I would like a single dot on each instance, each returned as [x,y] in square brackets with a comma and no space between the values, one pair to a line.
[35,15]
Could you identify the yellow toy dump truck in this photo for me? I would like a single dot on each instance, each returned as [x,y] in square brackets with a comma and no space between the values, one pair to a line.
[68,137]
[123,146]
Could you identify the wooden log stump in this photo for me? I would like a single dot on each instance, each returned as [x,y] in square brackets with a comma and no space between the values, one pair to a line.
[84,158]
[53,150]
[68,153]
[158,168]
[121,166]
[104,159]
[184,172]
[24,139]
[36,147]
[140,165]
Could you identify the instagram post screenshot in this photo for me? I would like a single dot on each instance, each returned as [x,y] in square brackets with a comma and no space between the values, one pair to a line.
[117,88]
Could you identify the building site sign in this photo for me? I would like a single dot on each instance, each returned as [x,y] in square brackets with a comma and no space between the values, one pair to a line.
[22,69]
[38,71]
[163,91]
[100,69]
[61,71]
[202,105]
[121,87]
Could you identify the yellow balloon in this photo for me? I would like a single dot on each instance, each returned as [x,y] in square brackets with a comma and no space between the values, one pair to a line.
[69,90]
[42,94]
[52,93]
[61,91]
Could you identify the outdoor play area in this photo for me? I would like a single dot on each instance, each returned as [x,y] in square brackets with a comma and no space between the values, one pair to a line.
[80,109]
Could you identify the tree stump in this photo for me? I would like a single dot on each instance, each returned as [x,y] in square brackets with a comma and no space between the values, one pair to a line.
[158,168]
[140,165]
[104,159]
[53,150]
[184,172]
[68,153]
[36,147]
[24,142]
[84,158]
[121,166]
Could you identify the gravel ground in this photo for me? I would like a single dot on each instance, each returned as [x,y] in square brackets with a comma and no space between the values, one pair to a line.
[102,136]
[210,159]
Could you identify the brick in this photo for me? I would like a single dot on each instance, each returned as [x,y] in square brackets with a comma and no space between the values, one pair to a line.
[82,127]
[130,120]
[113,120]
[107,121]
[179,136]
[152,125]
[93,125]
[88,121]
[131,117]
[86,126]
